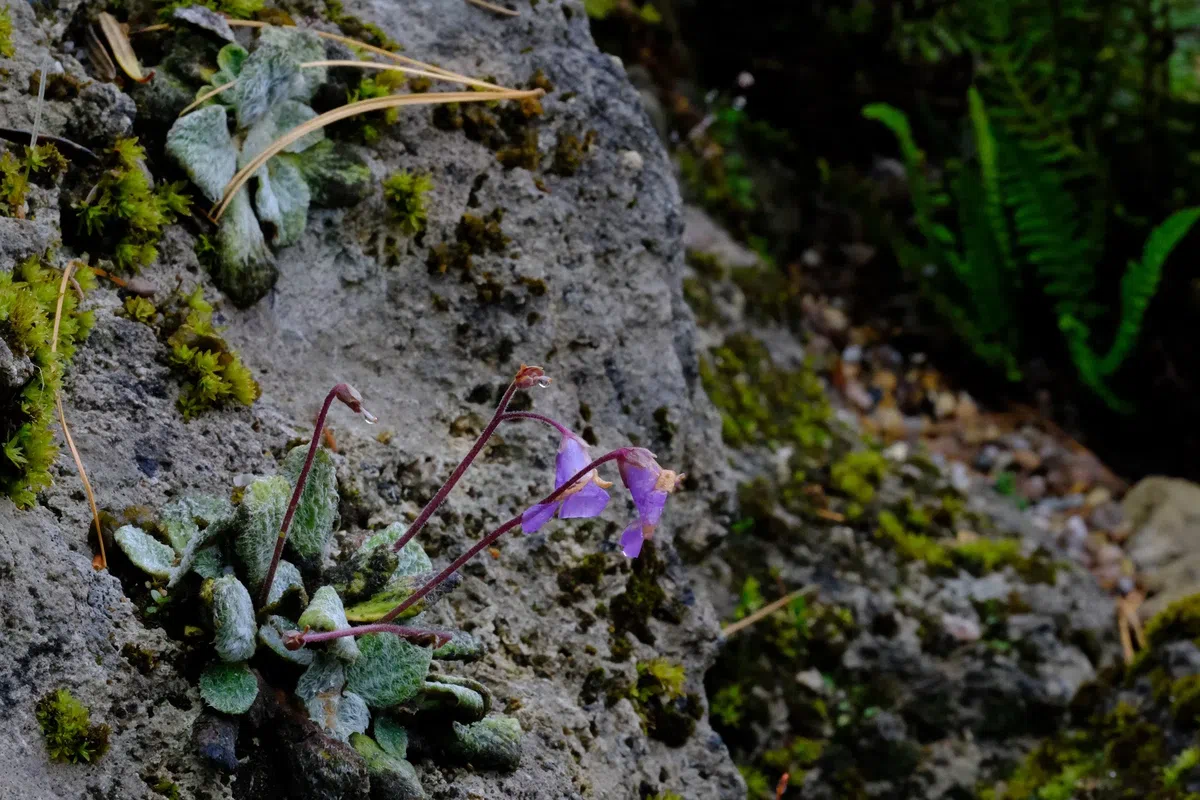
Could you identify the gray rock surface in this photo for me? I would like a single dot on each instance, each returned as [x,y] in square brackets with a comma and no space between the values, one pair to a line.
[1165,544]
[610,327]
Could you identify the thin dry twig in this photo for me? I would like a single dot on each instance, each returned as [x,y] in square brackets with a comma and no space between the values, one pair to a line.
[438,76]
[121,48]
[762,613]
[213,92]
[62,418]
[353,109]
[508,12]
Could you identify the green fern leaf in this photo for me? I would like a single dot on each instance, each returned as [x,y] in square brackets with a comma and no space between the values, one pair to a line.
[1140,283]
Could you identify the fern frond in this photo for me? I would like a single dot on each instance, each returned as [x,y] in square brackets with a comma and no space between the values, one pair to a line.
[989,169]
[1140,282]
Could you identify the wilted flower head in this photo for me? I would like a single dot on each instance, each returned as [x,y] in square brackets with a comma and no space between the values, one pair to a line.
[350,396]
[528,377]
[648,484]
[586,498]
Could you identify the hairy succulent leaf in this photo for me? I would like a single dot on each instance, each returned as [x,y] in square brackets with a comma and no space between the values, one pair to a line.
[229,688]
[282,200]
[230,59]
[391,736]
[233,619]
[287,582]
[413,560]
[379,605]
[278,121]
[260,516]
[147,553]
[271,634]
[389,669]
[207,19]
[336,174]
[317,513]
[325,613]
[201,143]
[208,563]
[461,647]
[391,776]
[272,73]
[246,268]
[338,712]
[451,701]
[492,743]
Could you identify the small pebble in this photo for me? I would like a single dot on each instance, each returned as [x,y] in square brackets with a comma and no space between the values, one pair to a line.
[632,160]
[961,628]
[852,354]
[960,478]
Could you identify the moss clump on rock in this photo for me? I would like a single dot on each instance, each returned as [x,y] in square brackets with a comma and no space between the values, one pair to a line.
[67,727]
[42,162]
[126,211]
[6,29]
[213,374]
[31,374]
[404,192]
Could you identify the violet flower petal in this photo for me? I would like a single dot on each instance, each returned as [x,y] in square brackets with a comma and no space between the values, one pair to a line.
[572,456]
[631,540]
[535,517]
[587,502]
[651,507]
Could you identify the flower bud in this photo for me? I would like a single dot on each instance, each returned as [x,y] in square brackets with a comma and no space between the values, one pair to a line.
[528,377]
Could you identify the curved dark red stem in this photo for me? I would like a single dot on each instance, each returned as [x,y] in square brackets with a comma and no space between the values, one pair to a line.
[440,497]
[295,501]
[496,534]
[297,640]
[516,416]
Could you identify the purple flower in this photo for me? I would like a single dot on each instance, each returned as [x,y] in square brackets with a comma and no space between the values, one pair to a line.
[648,484]
[586,498]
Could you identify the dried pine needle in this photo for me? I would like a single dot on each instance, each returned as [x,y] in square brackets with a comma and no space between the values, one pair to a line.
[122,50]
[508,12]
[62,418]
[351,110]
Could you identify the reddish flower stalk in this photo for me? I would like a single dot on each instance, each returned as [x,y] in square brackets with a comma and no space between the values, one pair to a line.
[526,378]
[348,395]
[516,416]
[294,640]
[496,534]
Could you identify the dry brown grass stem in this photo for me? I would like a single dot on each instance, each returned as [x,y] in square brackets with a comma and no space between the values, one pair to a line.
[762,613]
[350,110]
[213,92]
[62,418]
[508,12]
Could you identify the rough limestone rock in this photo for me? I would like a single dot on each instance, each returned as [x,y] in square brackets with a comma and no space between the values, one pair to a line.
[588,288]
[1165,544]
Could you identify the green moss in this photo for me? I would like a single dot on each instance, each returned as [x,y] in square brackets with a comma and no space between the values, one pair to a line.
[570,151]
[761,403]
[59,85]
[238,9]
[367,128]
[28,298]
[643,597]
[727,705]
[139,309]
[124,213]
[213,374]
[666,709]
[658,678]
[986,555]
[6,29]
[405,193]
[1179,620]
[587,572]
[1184,763]
[67,727]
[521,153]
[41,162]
[858,474]
[758,785]
[356,28]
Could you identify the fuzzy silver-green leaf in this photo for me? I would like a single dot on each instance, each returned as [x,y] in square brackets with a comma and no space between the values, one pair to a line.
[389,670]
[391,777]
[271,634]
[230,59]
[287,582]
[259,516]
[492,743]
[325,613]
[147,553]
[229,688]
[233,620]
[317,514]
[451,701]
[200,142]
[246,267]
[282,199]
[272,73]
[208,563]
[391,736]
[338,712]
